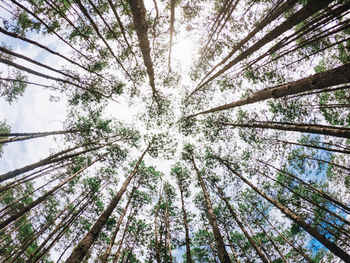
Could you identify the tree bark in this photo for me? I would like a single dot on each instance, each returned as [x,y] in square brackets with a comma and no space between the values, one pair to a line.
[219,241]
[321,193]
[298,127]
[334,248]
[84,245]
[321,80]
[138,11]
[52,159]
[117,254]
[308,10]
[172,20]
[14,137]
[185,221]
[116,230]
[42,198]
[241,226]
[158,258]
[274,244]
[300,250]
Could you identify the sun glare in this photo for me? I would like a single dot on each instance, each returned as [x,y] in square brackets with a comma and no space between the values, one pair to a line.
[184,50]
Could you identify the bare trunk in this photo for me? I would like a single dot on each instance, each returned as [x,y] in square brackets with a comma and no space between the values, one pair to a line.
[219,241]
[172,20]
[25,136]
[84,245]
[308,10]
[185,221]
[117,254]
[138,11]
[42,198]
[321,80]
[116,230]
[52,159]
[299,127]
[300,250]
[241,226]
[156,228]
[274,244]
[297,219]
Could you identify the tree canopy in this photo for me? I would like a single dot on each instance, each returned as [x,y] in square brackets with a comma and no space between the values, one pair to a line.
[192,131]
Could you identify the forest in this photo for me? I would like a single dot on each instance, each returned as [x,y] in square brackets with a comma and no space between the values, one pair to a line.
[209,131]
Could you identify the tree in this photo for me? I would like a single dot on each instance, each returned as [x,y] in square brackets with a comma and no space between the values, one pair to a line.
[131,174]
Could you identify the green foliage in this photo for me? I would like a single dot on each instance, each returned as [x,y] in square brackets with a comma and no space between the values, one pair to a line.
[12,90]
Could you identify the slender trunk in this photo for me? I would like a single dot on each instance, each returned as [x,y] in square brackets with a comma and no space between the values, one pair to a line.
[39,74]
[168,231]
[297,219]
[48,27]
[213,253]
[266,21]
[257,239]
[117,254]
[138,11]
[96,29]
[116,230]
[32,176]
[300,250]
[84,245]
[273,243]
[15,137]
[156,228]
[43,197]
[321,80]
[28,194]
[172,20]
[219,241]
[122,29]
[185,222]
[314,147]
[51,159]
[11,53]
[299,127]
[241,226]
[11,34]
[66,220]
[231,245]
[321,193]
[330,163]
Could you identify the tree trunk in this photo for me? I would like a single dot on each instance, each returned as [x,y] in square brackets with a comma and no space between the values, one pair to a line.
[308,259]
[42,198]
[158,258]
[185,221]
[297,219]
[273,243]
[241,226]
[267,20]
[116,230]
[117,254]
[321,80]
[314,147]
[26,136]
[321,193]
[168,231]
[11,34]
[219,241]
[172,20]
[138,11]
[299,127]
[52,159]
[84,245]
[312,7]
